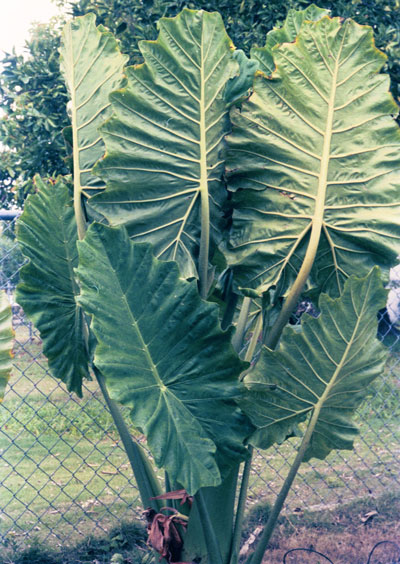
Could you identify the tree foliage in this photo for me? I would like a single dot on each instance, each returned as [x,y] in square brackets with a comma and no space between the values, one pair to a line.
[246,21]
[34,99]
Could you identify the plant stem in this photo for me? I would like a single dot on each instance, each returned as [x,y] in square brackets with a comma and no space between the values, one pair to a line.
[271,342]
[254,338]
[241,506]
[145,478]
[294,294]
[317,225]
[237,340]
[204,247]
[287,309]
[229,311]
[237,532]
[214,553]
[78,206]
[169,488]
[257,556]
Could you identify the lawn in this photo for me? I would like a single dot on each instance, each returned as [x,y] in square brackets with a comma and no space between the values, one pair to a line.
[62,470]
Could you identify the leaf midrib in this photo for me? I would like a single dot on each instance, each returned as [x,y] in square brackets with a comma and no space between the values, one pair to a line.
[135,324]
[162,387]
[318,406]
[319,211]
[326,394]
[318,217]
[80,220]
[203,182]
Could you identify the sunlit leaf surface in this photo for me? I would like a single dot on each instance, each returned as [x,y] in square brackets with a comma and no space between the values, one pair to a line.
[47,235]
[324,368]
[315,156]
[164,158]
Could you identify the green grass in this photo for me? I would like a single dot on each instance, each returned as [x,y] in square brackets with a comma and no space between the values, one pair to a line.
[57,414]
[371,466]
[40,404]
[61,468]
[102,476]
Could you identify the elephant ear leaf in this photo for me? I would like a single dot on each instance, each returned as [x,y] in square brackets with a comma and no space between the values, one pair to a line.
[92,66]
[6,342]
[163,354]
[314,164]
[238,88]
[321,372]
[263,57]
[164,166]
[47,235]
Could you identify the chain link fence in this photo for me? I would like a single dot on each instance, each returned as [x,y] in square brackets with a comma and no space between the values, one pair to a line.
[64,474]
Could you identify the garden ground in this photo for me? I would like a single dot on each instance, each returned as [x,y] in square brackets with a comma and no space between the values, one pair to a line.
[343,534]
[64,476]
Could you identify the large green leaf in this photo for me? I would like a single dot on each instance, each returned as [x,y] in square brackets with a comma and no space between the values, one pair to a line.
[314,163]
[164,355]
[325,368]
[264,56]
[238,88]
[163,166]
[92,66]
[6,342]
[47,235]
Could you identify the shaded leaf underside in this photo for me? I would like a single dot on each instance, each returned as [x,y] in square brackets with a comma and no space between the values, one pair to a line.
[239,87]
[315,150]
[163,354]
[326,367]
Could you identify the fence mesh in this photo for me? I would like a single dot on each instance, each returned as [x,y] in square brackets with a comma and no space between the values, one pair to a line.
[64,474]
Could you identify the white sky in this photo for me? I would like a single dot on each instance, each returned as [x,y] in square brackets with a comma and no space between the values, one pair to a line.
[17,17]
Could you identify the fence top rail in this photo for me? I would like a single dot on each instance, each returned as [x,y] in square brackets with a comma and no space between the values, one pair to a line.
[9,214]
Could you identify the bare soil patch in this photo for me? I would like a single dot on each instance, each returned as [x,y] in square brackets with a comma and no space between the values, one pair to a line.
[346,533]
[343,547]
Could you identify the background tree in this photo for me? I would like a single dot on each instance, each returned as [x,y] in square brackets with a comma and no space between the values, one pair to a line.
[33,100]
[33,94]
[247,21]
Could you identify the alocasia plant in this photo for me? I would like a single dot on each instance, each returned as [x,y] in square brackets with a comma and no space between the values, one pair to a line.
[229,187]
